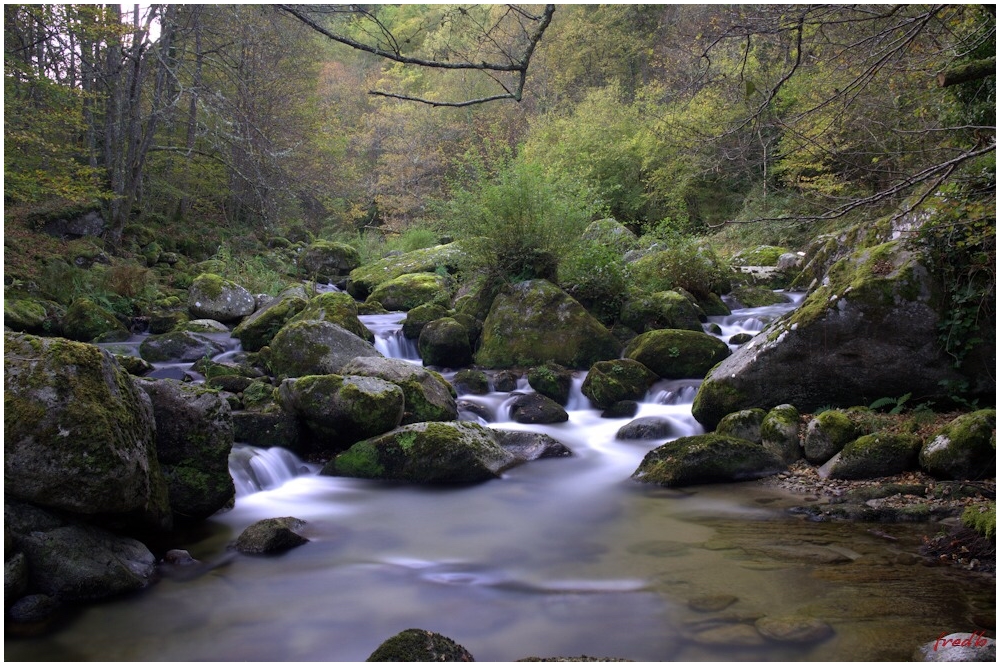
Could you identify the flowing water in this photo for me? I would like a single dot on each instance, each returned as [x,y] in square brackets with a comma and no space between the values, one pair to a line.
[563,556]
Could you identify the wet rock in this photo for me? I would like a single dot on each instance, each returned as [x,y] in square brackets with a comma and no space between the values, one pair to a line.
[472,382]
[410,290]
[257,330]
[203,326]
[427,395]
[623,409]
[433,453]
[958,647]
[536,408]
[805,553]
[794,629]
[826,434]
[712,603]
[194,434]
[647,428]
[706,459]
[271,536]
[365,279]
[505,381]
[964,449]
[779,432]
[530,446]
[315,348]
[15,577]
[34,609]
[609,382]
[740,339]
[86,321]
[677,354]
[551,380]
[66,403]
[325,261]
[213,297]
[445,343]
[420,645]
[664,309]
[178,346]
[420,316]
[872,456]
[745,424]
[337,308]
[535,323]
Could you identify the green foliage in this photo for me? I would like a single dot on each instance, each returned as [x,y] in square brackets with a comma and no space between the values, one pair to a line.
[685,262]
[898,404]
[596,275]
[257,273]
[123,288]
[517,222]
[982,518]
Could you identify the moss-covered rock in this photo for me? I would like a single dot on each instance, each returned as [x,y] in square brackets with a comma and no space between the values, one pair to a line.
[420,645]
[258,330]
[536,408]
[826,434]
[432,453]
[528,446]
[337,308]
[611,233]
[408,291]
[78,434]
[647,428]
[315,348]
[445,343]
[271,536]
[26,315]
[677,354]
[707,459]
[341,410]
[872,456]
[325,261]
[419,317]
[609,382]
[473,382]
[209,326]
[870,330]
[365,279]
[178,346]
[536,322]
[756,297]
[762,255]
[780,432]
[134,365]
[744,424]
[694,267]
[194,435]
[213,297]
[551,380]
[428,396]
[264,423]
[963,449]
[85,321]
[664,309]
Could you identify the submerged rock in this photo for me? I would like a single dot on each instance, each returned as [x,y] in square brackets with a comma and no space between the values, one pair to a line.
[434,453]
[707,459]
[420,645]
[793,629]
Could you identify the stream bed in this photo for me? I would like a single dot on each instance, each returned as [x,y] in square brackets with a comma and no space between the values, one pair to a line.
[559,557]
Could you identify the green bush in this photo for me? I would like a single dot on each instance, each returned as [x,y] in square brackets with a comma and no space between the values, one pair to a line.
[685,262]
[596,275]
[414,238]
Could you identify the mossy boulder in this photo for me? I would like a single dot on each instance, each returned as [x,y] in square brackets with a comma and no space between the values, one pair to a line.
[536,322]
[708,458]
[826,434]
[271,536]
[26,315]
[876,455]
[79,436]
[420,645]
[664,309]
[178,346]
[963,449]
[429,453]
[263,422]
[213,297]
[341,410]
[748,296]
[762,255]
[445,343]
[473,382]
[365,279]
[85,321]
[408,291]
[528,446]
[258,330]
[695,268]
[744,424]
[325,261]
[337,308]
[677,354]
[536,408]
[551,380]
[194,435]
[419,317]
[209,326]
[134,365]
[780,432]
[609,382]
[611,233]
[647,428]
[315,348]
[428,396]
[871,330]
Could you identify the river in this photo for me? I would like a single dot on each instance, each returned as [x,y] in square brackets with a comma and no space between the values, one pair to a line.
[563,556]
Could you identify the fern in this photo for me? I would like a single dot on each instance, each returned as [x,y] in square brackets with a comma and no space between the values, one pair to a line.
[897,403]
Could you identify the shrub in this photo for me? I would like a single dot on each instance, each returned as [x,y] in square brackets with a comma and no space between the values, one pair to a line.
[688,263]
[596,275]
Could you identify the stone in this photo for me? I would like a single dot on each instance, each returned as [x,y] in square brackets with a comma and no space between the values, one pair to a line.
[529,446]
[745,424]
[337,308]
[408,291]
[958,647]
[794,629]
[551,380]
[26,315]
[623,409]
[315,348]
[677,354]
[609,382]
[364,279]
[647,428]
[325,261]
[536,408]
[963,449]
[826,434]
[419,317]
[420,645]
[445,343]
[664,309]
[706,459]
[712,603]
[178,347]
[471,382]
[86,321]
[755,297]
[779,432]
[427,395]
[880,454]
[271,536]
[213,297]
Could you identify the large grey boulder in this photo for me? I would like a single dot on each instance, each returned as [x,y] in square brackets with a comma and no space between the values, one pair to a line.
[315,348]
[325,261]
[341,410]
[213,297]
[194,435]
[870,331]
[535,322]
[78,435]
[338,308]
[431,453]
[428,396]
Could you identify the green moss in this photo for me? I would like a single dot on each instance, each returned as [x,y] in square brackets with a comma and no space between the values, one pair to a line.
[419,645]
[723,398]
[880,454]
[408,291]
[710,458]
[209,284]
[677,354]
[762,255]
[365,279]
[982,518]
[361,461]
[24,314]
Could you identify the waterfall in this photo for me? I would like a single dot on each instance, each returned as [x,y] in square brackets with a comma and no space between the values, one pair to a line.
[389,338]
[254,469]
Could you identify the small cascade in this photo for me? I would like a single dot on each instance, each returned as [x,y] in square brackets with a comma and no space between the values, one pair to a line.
[254,469]
[577,400]
[673,392]
[389,338]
